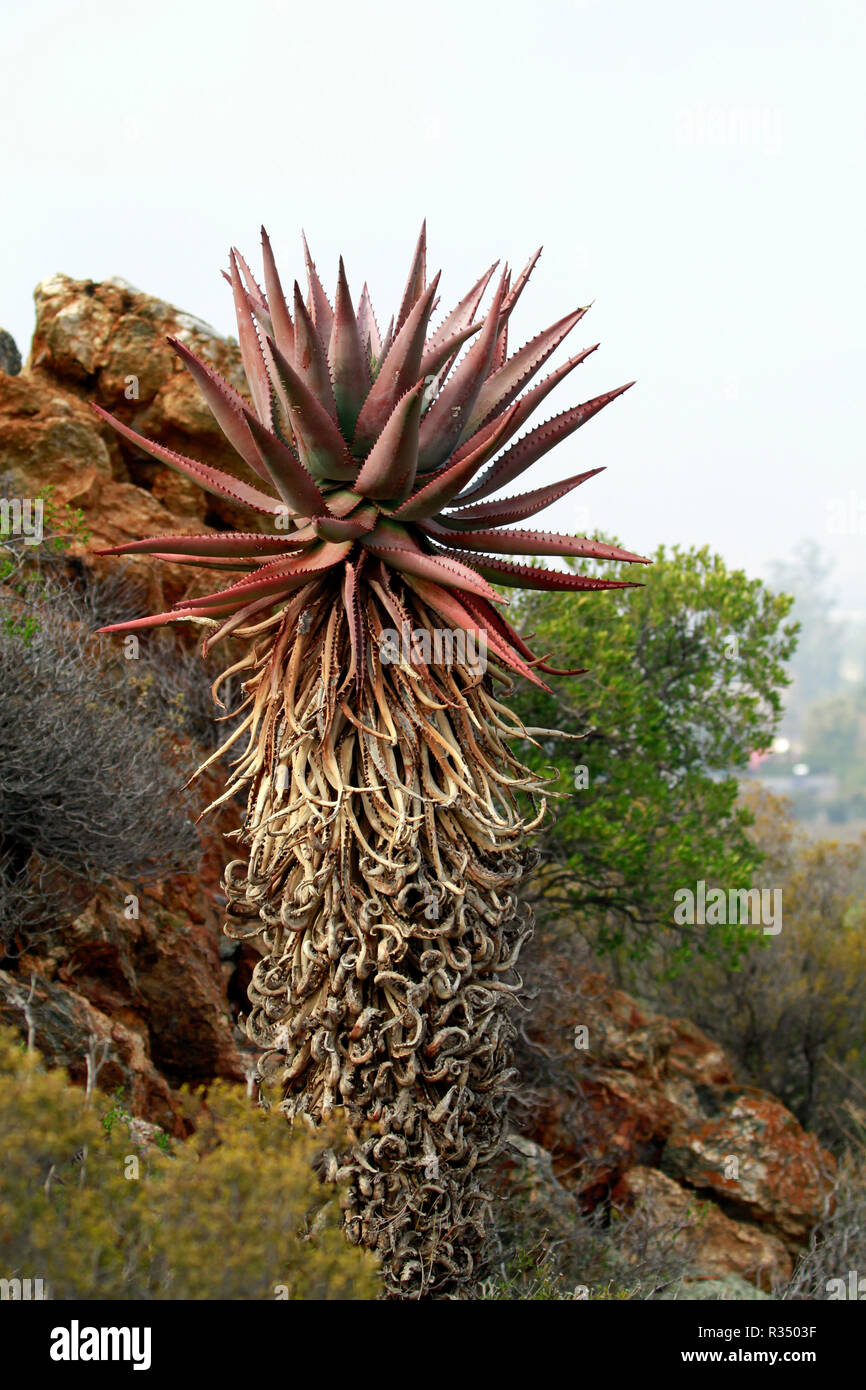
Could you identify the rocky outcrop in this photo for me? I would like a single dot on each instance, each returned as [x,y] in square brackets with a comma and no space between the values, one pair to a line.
[634,1106]
[630,1108]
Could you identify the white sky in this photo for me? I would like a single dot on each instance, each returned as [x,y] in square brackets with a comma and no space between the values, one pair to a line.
[694,168]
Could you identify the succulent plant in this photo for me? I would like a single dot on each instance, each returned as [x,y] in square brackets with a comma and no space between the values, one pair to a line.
[387,817]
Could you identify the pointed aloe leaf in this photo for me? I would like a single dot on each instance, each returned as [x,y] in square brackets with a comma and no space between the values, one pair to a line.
[388,338]
[417,279]
[500,624]
[225,403]
[438,357]
[463,314]
[320,309]
[519,286]
[504,385]
[276,395]
[443,424]
[510,509]
[277,576]
[500,352]
[284,332]
[321,446]
[211,563]
[240,616]
[368,327]
[397,374]
[161,619]
[251,349]
[536,444]
[410,559]
[389,471]
[349,528]
[245,544]
[350,370]
[211,479]
[517,576]
[524,407]
[456,611]
[291,479]
[447,483]
[310,358]
[255,295]
[517,542]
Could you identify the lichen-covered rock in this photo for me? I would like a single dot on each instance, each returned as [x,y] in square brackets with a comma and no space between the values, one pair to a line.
[745,1148]
[724,1246]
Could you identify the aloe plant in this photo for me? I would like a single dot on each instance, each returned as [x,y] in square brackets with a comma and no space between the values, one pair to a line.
[385,834]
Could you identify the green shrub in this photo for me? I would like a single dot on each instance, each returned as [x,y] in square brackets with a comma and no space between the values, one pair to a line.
[235,1212]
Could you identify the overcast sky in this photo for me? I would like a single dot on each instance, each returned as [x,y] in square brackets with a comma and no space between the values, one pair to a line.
[695,169]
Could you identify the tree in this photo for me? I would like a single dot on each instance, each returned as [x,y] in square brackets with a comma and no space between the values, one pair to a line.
[684,682]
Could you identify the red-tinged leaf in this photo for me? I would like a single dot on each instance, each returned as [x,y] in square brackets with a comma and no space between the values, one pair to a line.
[276,577]
[505,542]
[503,386]
[251,349]
[321,446]
[350,369]
[397,374]
[368,327]
[211,479]
[177,615]
[536,444]
[523,408]
[319,306]
[461,316]
[510,509]
[517,576]
[350,528]
[443,424]
[342,501]
[276,394]
[518,287]
[437,359]
[389,471]
[244,544]
[500,352]
[225,403]
[237,619]
[456,612]
[196,561]
[284,331]
[446,484]
[291,479]
[310,358]
[388,338]
[417,278]
[443,571]
[491,618]
[257,302]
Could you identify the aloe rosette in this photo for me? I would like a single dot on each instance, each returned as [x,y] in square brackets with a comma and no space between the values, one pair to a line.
[387,817]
